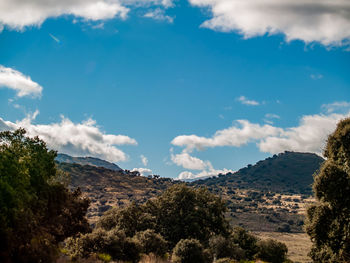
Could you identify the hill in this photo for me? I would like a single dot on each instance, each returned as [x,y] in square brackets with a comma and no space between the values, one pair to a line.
[65,158]
[288,172]
[268,196]
[108,188]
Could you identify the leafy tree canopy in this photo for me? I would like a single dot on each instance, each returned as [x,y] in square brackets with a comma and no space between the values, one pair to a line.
[36,210]
[329,220]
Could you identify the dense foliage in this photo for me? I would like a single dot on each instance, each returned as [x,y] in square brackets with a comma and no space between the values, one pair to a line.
[185,221]
[329,220]
[189,251]
[36,210]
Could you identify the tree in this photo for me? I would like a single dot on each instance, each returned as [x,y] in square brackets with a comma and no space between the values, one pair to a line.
[188,251]
[182,212]
[328,222]
[36,210]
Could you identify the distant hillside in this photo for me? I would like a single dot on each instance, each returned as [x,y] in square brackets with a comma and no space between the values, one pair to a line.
[107,188]
[65,158]
[268,196]
[288,172]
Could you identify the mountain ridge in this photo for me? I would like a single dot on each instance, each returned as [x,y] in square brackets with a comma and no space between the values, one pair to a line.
[92,161]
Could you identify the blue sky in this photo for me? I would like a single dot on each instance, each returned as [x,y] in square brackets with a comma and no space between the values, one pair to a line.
[174,78]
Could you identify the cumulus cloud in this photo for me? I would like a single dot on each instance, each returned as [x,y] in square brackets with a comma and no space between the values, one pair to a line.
[15,80]
[77,139]
[245,101]
[144,160]
[187,175]
[238,135]
[143,171]
[309,136]
[159,14]
[18,14]
[323,21]
[189,162]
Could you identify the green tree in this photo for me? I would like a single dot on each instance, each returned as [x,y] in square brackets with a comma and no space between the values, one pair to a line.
[188,251]
[246,241]
[36,211]
[182,212]
[328,222]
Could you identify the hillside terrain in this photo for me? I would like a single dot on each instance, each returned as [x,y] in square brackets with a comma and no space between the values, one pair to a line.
[65,158]
[268,196]
[288,172]
[271,195]
[107,188]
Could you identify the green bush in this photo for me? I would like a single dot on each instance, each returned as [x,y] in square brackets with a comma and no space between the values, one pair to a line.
[188,251]
[272,251]
[222,247]
[151,242]
[246,241]
[114,243]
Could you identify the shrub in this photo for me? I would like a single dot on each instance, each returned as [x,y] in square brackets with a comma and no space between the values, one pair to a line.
[151,242]
[285,228]
[188,251]
[245,240]
[224,247]
[113,242]
[272,251]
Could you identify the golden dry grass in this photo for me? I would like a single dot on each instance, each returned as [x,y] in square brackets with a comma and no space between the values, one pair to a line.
[298,244]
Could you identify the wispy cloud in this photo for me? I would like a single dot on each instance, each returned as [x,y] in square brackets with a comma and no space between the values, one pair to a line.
[144,160]
[338,106]
[270,117]
[159,14]
[15,80]
[246,101]
[54,38]
[316,76]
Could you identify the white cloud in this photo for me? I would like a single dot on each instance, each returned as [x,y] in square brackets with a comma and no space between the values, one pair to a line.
[338,106]
[144,160]
[324,21]
[309,136]
[187,175]
[143,171]
[316,76]
[18,14]
[189,162]
[77,139]
[245,101]
[233,136]
[269,117]
[55,38]
[15,80]
[159,14]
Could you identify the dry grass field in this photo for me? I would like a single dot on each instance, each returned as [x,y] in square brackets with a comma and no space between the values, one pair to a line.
[298,244]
